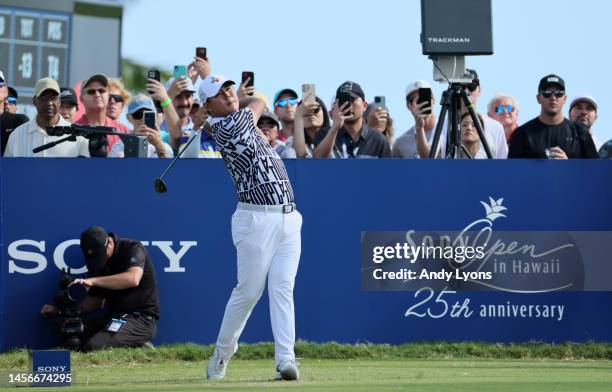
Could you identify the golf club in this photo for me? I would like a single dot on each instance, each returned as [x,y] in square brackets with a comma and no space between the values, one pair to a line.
[159,184]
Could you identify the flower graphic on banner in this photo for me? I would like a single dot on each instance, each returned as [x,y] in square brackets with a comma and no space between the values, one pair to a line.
[494,210]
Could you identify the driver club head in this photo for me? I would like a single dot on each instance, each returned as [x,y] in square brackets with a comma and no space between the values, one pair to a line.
[160,186]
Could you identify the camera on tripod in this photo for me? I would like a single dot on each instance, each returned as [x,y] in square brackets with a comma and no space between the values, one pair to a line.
[133,146]
[451,30]
[68,300]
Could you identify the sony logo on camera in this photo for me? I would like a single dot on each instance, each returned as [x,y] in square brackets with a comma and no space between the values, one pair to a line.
[27,256]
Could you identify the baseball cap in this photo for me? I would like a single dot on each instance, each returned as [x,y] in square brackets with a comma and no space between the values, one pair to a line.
[2,80]
[93,244]
[263,97]
[95,78]
[190,86]
[45,84]
[412,87]
[271,116]
[583,98]
[285,91]
[69,95]
[141,101]
[211,86]
[354,89]
[12,93]
[551,79]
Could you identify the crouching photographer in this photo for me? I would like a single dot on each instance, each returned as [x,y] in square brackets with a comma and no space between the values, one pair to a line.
[122,283]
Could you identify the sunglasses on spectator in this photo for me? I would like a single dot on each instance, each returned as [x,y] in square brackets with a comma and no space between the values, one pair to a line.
[11,100]
[288,101]
[137,115]
[93,91]
[549,93]
[117,98]
[504,108]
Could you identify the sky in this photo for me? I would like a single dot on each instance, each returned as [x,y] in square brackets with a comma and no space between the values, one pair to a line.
[376,44]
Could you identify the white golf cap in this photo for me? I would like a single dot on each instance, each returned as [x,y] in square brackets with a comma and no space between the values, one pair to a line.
[210,87]
[416,85]
[584,98]
[2,77]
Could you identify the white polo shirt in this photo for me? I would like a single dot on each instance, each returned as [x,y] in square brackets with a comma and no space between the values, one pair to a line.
[28,136]
[494,132]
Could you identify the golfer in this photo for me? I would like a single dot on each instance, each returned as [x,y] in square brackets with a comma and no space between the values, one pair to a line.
[265,226]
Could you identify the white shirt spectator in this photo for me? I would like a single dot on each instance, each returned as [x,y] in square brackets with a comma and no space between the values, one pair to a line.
[117,151]
[30,135]
[494,132]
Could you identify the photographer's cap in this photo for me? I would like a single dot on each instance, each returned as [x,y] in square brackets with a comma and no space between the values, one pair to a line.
[210,87]
[352,88]
[93,244]
[551,79]
[412,87]
[45,84]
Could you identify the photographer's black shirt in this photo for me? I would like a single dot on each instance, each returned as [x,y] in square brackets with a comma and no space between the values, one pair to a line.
[143,298]
[531,140]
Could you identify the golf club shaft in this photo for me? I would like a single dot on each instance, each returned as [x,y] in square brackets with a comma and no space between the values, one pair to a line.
[179,154]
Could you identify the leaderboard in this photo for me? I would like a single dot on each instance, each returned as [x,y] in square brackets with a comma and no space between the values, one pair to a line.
[34,44]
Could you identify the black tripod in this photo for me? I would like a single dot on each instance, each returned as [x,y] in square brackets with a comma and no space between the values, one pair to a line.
[451,100]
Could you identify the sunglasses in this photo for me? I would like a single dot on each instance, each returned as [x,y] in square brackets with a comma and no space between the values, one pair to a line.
[504,108]
[550,93]
[11,100]
[288,101]
[139,114]
[117,98]
[93,91]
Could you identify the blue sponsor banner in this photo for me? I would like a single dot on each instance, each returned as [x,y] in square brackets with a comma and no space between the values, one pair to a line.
[46,203]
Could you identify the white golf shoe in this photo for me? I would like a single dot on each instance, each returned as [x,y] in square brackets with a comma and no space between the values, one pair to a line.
[287,370]
[216,368]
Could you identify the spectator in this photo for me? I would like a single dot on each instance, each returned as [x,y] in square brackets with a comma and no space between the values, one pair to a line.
[495,135]
[121,281]
[118,98]
[181,94]
[583,110]
[269,124]
[378,118]
[94,96]
[11,101]
[605,152]
[33,134]
[69,104]
[470,138]
[285,104]
[505,109]
[156,147]
[8,121]
[406,145]
[348,136]
[550,135]
[309,119]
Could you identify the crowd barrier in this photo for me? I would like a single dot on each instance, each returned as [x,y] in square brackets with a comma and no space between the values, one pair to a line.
[46,203]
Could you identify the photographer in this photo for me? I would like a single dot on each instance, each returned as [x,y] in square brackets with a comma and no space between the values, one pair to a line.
[122,281]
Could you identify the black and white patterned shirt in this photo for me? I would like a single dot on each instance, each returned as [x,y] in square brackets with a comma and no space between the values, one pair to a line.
[258,172]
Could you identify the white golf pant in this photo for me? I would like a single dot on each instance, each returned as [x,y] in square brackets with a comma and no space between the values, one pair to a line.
[268,244]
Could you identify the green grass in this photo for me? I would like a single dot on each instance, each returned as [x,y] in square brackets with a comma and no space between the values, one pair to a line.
[356,375]
[457,367]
